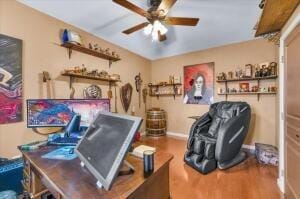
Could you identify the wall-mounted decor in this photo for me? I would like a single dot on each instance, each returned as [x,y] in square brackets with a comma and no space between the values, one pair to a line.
[126,93]
[199,83]
[10,79]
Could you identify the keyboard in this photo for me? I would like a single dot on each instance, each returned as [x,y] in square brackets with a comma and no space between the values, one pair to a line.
[64,141]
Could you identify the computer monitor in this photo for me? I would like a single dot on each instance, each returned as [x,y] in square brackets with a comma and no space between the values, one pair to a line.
[105,144]
[58,112]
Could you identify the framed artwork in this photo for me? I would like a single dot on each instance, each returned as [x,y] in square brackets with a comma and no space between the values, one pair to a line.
[10,79]
[199,84]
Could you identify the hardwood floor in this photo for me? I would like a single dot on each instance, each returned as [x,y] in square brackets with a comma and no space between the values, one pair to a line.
[249,180]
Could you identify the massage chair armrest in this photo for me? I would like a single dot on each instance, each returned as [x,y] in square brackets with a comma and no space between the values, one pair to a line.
[201,125]
[231,137]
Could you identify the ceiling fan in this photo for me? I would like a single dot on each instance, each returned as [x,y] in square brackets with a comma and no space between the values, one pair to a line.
[156,16]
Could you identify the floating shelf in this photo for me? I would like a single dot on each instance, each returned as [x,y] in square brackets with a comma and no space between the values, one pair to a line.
[248,93]
[162,85]
[258,79]
[174,85]
[249,79]
[162,95]
[90,77]
[71,47]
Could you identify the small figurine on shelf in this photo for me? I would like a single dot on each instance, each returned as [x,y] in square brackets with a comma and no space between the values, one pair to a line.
[92,73]
[264,70]
[273,68]
[221,76]
[239,73]
[230,75]
[90,46]
[254,89]
[107,51]
[257,71]
[103,74]
[101,50]
[96,47]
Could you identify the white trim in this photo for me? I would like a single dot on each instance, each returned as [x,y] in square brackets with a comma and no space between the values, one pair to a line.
[249,147]
[177,135]
[281,168]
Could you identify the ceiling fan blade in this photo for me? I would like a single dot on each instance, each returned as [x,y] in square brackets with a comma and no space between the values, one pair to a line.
[132,7]
[135,28]
[166,5]
[181,21]
[162,37]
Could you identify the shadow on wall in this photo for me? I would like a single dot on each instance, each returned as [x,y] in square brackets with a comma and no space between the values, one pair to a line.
[251,132]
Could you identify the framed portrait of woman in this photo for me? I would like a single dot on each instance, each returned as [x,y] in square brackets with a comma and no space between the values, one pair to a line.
[199,84]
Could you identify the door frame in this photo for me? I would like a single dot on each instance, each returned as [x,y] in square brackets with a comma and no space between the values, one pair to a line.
[282,65]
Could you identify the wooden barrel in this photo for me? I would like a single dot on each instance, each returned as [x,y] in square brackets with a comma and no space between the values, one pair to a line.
[156,124]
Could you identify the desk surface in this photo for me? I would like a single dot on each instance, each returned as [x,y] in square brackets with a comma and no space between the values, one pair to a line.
[72,181]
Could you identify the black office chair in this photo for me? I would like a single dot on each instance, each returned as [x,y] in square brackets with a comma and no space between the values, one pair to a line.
[216,138]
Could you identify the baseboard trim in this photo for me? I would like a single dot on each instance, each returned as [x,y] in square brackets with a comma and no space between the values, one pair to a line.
[280,184]
[177,135]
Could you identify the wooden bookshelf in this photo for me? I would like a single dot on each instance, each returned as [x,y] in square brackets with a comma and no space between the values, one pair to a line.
[71,47]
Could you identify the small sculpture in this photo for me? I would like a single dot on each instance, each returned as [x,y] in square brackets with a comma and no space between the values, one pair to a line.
[96,47]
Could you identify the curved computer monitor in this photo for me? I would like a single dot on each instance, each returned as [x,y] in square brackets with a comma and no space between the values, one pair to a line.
[59,112]
[105,144]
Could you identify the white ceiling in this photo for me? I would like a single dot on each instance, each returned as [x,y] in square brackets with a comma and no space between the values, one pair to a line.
[221,22]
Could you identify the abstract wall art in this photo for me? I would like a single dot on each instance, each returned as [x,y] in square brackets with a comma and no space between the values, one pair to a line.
[10,79]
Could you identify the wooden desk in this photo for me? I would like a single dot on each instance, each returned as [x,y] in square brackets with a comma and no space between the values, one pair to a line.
[67,179]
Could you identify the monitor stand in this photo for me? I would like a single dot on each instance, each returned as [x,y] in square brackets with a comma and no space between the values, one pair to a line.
[130,169]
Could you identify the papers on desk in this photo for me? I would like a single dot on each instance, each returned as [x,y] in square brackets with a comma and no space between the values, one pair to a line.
[63,153]
[139,151]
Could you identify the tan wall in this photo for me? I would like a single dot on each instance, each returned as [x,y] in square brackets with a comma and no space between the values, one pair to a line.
[40,34]
[226,58]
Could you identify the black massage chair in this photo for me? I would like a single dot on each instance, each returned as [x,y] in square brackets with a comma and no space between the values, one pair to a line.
[216,138]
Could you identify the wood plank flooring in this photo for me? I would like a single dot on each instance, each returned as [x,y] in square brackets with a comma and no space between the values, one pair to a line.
[249,180]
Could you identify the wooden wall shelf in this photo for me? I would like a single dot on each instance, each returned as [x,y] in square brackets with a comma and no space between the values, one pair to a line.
[71,47]
[248,93]
[258,79]
[162,85]
[90,77]
[248,79]
[156,87]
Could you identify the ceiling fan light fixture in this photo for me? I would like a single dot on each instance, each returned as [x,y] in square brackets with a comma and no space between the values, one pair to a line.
[148,29]
[154,35]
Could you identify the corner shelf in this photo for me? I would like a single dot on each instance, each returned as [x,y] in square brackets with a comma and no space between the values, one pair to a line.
[258,79]
[71,47]
[164,85]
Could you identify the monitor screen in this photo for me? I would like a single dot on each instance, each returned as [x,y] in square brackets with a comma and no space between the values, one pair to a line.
[58,112]
[105,144]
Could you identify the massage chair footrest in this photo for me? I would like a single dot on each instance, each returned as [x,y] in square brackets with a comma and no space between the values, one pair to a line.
[200,163]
